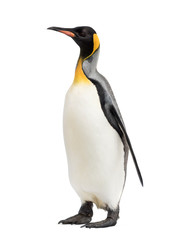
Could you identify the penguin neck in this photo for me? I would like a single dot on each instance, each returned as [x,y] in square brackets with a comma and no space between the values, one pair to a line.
[86,68]
[80,77]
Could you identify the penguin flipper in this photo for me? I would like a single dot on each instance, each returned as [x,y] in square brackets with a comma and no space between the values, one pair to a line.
[113,115]
[108,103]
[119,125]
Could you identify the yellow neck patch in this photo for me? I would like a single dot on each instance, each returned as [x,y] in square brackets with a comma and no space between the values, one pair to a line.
[79,74]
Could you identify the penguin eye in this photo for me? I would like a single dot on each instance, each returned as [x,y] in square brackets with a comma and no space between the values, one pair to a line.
[82,34]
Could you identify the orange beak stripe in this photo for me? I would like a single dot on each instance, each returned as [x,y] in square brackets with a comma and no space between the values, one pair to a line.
[68,33]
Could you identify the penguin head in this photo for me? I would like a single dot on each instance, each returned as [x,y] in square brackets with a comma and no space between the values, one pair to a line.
[85,37]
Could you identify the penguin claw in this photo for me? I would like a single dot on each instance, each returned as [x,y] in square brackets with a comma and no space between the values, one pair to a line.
[77,219]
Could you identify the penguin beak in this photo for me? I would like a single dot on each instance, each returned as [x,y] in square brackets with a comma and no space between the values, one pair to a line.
[67,31]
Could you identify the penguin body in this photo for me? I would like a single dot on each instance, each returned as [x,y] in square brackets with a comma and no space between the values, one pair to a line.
[96,140]
[89,141]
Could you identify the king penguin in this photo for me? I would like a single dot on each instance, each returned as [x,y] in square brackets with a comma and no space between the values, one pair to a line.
[96,140]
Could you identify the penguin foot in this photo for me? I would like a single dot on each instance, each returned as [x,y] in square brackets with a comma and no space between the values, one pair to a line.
[77,219]
[110,221]
[84,215]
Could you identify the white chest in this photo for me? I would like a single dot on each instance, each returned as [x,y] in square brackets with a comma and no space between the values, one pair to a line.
[82,110]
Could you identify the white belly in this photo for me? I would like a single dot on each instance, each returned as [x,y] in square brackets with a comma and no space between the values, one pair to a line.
[94,150]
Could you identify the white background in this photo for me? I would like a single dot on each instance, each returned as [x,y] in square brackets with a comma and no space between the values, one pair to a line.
[37,67]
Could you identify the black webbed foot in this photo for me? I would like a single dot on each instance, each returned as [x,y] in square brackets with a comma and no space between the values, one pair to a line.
[77,219]
[84,215]
[108,222]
